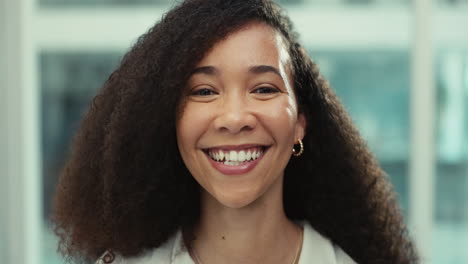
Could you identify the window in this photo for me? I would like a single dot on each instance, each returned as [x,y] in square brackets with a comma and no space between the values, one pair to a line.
[374,87]
[451,188]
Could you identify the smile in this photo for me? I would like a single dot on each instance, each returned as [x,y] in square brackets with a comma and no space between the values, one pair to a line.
[235,160]
[235,157]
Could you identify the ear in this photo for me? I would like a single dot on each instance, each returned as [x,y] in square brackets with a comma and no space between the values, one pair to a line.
[300,127]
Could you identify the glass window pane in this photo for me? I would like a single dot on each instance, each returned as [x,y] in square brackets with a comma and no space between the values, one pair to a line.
[452,3]
[67,3]
[374,87]
[360,2]
[451,187]
[68,83]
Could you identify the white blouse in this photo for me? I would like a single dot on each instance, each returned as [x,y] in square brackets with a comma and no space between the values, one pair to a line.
[315,249]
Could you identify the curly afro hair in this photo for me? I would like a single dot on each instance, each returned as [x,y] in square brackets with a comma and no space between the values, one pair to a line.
[126,188]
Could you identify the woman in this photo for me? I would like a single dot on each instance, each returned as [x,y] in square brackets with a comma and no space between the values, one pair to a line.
[217,141]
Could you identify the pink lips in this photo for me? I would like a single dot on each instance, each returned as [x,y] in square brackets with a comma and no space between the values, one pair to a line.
[235,170]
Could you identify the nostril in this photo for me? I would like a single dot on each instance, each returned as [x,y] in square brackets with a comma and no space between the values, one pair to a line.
[247,128]
[235,123]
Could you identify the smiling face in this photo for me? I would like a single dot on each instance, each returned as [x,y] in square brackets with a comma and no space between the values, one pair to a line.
[239,119]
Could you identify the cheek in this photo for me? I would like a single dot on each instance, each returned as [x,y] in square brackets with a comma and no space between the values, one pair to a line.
[185,135]
[191,125]
[281,118]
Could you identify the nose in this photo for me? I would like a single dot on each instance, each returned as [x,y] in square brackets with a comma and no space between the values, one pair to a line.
[235,115]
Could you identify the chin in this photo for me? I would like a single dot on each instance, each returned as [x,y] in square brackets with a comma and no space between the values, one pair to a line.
[237,200]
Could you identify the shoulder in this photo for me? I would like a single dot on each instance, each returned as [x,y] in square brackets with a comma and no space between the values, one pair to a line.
[162,254]
[319,249]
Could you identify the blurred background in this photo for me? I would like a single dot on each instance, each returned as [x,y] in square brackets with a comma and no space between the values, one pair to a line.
[399,66]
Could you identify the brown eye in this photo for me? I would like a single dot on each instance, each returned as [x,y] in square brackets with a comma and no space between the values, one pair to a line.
[265,90]
[203,92]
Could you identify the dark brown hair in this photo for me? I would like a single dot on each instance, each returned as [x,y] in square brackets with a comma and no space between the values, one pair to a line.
[126,188]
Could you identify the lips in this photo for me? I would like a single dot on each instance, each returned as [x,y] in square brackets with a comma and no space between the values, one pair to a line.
[235,159]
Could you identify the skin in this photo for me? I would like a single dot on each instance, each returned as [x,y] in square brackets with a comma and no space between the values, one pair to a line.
[231,101]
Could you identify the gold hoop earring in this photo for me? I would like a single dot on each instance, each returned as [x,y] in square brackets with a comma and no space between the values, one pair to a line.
[301,149]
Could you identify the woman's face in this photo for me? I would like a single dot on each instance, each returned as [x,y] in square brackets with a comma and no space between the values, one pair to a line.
[239,120]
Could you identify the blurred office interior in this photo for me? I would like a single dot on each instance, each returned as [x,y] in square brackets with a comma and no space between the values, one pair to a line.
[399,66]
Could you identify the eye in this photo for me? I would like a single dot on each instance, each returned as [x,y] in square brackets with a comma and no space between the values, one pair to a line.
[203,92]
[266,90]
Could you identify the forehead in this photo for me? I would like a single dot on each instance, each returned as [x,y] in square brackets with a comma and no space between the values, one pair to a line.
[254,43]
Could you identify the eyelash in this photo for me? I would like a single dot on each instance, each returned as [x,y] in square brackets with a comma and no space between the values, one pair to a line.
[203,92]
[270,90]
[260,90]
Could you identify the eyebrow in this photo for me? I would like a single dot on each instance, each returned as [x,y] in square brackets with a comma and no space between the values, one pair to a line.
[208,70]
[264,69]
[257,69]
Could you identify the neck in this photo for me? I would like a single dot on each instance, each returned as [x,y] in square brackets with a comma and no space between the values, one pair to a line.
[257,233]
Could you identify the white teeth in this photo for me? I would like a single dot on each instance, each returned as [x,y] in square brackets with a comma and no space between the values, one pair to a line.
[232,163]
[234,158]
[233,155]
[248,156]
[241,156]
